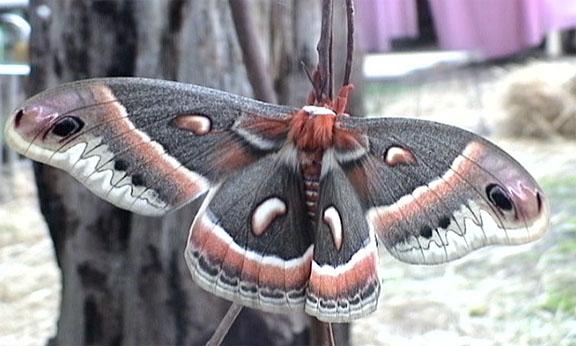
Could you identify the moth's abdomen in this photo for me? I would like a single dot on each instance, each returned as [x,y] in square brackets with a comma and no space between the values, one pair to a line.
[311,190]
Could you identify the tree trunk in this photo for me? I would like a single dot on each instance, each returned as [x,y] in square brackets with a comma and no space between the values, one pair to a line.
[125,281]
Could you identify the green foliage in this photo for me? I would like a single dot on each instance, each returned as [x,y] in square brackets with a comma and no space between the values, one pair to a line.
[561,299]
[8,229]
[561,193]
[478,310]
[567,247]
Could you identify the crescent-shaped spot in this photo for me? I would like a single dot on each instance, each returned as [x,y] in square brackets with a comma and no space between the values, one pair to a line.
[398,156]
[334,222]
[198,124]
[265,213]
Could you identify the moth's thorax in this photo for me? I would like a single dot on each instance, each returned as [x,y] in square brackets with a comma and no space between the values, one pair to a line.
[312,129]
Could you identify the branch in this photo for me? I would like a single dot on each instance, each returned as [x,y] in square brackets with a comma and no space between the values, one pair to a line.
[323,90]
[252,51]
[225,325]
[350,42]
[322,334]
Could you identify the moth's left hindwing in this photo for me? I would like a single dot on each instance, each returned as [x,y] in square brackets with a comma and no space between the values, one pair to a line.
[251,241]
[144,145]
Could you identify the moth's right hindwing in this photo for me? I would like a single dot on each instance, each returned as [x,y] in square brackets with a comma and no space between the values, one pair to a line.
[344,283]
[144,145]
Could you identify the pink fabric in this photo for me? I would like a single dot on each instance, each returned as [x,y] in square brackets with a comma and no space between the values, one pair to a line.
[560,14]
[379,21]
[498,28]
[494,28]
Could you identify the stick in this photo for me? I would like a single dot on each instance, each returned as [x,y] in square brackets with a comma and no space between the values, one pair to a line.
[323,48]
[321,334]
[252,52]
[350,41]
[225,324]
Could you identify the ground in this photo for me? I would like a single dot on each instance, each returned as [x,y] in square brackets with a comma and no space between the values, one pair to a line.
[30,280]
[523,295]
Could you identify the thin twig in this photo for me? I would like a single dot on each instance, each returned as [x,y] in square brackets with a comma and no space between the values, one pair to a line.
[252,51]
[225,324]
[330,80]
[322,333]
[330,334]
[323,49]
[350,41]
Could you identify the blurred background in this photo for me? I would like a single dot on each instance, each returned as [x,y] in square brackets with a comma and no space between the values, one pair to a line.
[505,69]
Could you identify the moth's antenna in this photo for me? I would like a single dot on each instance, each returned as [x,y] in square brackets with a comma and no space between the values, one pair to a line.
[307,71]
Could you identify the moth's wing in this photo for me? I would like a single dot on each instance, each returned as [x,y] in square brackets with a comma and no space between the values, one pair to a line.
[344,282]
[251,241]
[145,145]
[433,192]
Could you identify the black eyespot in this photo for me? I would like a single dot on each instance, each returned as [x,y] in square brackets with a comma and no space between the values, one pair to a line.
[137,180]
[444,222]
[426,232]
[120,165]
[18,118]
[67,126]
[499,197]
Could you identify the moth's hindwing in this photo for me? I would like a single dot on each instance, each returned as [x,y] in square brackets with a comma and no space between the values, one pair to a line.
[251,241]
[434,192]
[144,145]
[344,282]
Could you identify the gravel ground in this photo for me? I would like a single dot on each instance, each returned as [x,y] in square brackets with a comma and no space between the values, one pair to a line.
[30,280]
[523,295]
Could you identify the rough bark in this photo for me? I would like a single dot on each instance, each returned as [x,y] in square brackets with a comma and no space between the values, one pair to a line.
[124,277]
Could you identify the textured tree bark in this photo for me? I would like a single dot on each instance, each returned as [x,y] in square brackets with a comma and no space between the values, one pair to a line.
[125,281]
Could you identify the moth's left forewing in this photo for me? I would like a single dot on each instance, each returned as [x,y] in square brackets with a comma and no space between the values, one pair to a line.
[434,193]
[144,145]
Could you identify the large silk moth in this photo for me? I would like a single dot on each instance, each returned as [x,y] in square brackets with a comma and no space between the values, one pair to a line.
[297,201]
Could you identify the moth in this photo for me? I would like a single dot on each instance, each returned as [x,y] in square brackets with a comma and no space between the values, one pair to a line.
[297,201]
